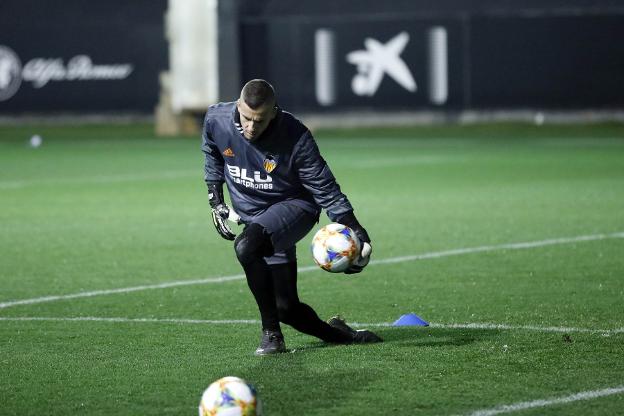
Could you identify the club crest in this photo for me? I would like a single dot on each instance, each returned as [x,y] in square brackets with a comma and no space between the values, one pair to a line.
[269,163]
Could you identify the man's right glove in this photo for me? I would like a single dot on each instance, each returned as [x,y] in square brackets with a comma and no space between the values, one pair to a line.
[220,211]
[350,221]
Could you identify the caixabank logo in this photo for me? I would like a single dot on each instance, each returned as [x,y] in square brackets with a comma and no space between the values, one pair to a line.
[386,70]
[10,73]
[41,71]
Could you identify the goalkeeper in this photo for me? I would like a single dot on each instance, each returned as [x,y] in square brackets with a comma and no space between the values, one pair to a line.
[278,183]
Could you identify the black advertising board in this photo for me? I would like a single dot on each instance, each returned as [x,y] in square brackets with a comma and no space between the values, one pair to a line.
[481,60]
[106,56]
[547,61]
[83,57]
[364,64]
[379,63]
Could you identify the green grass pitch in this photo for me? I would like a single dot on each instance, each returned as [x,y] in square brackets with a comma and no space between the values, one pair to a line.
[100,208]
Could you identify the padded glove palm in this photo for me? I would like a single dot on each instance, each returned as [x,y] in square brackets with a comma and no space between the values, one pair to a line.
[361,262]
[350,221]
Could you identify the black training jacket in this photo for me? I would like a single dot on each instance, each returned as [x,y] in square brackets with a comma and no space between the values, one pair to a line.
[284,163]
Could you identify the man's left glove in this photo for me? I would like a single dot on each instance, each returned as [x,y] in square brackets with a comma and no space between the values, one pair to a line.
[361,262]
[220,211]
[350,221]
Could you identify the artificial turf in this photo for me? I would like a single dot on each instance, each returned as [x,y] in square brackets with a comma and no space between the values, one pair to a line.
[98,208]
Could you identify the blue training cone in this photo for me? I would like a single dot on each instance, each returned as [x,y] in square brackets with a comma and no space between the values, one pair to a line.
[410,319]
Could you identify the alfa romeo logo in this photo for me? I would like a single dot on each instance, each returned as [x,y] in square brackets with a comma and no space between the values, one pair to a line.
[10,73]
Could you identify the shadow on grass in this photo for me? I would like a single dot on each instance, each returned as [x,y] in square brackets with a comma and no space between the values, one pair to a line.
[292,384]
[414,336]
[325,377]
[434,337]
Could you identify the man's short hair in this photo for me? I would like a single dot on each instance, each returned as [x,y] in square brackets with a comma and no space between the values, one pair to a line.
[257,92]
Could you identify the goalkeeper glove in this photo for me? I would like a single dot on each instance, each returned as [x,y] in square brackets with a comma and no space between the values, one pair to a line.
[220,211]
[350,221]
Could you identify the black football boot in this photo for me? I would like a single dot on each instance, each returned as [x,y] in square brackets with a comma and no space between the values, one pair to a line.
[272,342]
[361,336]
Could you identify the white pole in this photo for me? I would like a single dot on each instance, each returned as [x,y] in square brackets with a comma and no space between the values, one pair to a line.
[438,65]
[325,63]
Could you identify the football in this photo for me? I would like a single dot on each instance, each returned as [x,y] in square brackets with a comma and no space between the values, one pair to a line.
[230,396]
[335,247]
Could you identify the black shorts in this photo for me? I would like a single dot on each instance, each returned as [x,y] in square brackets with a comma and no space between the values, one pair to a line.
[286,223]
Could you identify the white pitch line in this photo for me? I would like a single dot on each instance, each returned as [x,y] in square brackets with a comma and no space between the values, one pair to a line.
[131,320]
[562,329]
[584,395]
[424,256]
[506,327]
[510,246]
[484,325]
[121,290]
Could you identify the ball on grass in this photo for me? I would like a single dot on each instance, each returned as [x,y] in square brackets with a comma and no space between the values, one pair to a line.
[35,141]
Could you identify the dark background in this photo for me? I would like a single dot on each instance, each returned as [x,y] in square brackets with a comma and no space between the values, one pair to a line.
[112,31]
[502,54]
[550,54]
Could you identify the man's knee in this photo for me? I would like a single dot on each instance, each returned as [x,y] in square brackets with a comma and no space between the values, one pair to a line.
[252,243]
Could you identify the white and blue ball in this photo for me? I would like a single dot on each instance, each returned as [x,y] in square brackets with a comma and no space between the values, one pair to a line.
[230,396]
[335,247]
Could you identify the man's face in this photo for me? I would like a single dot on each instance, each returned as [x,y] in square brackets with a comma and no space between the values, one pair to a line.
[255,122]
